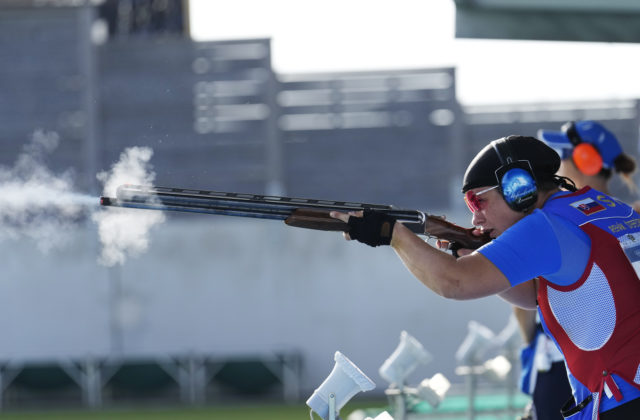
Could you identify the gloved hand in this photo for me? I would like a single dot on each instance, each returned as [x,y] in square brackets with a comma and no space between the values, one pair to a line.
[373,228]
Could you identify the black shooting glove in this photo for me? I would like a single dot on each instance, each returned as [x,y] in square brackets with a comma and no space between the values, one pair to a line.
[374,228]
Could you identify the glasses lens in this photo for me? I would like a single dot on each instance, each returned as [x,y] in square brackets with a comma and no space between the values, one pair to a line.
[472,201]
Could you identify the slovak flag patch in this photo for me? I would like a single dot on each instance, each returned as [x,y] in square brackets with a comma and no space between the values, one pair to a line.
[588,206]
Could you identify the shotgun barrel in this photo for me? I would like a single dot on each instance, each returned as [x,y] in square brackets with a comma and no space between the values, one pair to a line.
[298,212]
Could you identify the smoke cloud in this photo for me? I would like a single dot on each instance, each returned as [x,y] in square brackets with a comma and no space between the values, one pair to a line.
[44,207]
[125,232]
[38,204]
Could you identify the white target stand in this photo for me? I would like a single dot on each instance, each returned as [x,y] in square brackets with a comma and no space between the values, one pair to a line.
[344,381]
[407,356]
[332,407]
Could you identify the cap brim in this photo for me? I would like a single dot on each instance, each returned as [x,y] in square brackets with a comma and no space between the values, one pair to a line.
[557,140]
[554,138]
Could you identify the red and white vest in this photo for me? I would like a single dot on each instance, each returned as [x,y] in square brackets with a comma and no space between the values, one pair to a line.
[596,320]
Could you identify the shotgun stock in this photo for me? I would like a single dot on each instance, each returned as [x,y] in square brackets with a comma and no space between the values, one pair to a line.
[296,212]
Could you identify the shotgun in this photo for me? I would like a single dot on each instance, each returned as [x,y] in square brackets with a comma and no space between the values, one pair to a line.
[297,212]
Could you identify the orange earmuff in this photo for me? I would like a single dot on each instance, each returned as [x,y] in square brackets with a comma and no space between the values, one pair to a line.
[587,158]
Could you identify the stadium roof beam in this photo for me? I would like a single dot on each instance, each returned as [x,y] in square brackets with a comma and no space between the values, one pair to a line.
[549,20]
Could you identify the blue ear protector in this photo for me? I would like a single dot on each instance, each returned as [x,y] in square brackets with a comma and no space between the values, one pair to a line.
[515,178]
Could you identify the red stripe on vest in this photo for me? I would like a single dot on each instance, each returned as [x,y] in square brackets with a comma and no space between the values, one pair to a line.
[620,354]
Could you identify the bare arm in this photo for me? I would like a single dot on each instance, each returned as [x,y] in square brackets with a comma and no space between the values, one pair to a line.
[522,295]
[527,322]
[468,277]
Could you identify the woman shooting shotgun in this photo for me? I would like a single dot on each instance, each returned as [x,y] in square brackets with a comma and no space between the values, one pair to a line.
[579,245]
[590,155]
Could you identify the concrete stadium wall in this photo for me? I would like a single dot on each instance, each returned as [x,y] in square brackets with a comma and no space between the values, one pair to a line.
[229,287]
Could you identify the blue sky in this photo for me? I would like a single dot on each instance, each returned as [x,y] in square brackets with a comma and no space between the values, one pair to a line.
[345,35]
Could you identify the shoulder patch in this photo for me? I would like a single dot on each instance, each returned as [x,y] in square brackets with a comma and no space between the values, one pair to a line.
[587,206]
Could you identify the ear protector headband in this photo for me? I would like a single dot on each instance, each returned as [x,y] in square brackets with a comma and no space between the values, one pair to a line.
[515,178]
[585,155]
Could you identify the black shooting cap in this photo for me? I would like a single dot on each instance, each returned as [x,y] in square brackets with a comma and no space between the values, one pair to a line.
[481,172]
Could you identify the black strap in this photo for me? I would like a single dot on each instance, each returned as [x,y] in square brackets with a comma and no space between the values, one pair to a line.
[568,411]
[374,228]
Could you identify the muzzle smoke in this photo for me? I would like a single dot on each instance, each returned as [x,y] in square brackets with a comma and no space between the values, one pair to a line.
[35,203]
[125,232]
[39,205]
